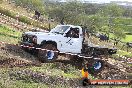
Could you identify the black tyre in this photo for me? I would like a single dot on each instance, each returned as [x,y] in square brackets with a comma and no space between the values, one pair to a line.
[31,51]
[48,55]
[112,51]
[96,67]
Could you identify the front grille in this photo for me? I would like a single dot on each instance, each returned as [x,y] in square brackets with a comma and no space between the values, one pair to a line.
[27,38]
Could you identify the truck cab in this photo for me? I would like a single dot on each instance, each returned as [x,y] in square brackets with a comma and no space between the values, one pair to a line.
[70,40]
[67,38]
[61,39]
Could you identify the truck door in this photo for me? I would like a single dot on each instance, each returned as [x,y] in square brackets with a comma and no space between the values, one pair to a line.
[72,41]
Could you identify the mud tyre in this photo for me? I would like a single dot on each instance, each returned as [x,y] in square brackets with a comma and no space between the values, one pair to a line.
[30,51]
[96,67]
[48,55]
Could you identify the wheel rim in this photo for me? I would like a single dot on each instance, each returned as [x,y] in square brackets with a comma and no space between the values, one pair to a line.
[50,55]
[97,65]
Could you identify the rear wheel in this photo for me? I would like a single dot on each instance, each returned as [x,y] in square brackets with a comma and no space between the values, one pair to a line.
[96,67]
[48,55]
[93,65]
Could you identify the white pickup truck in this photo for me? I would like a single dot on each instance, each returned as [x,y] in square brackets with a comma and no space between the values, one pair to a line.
[63,38]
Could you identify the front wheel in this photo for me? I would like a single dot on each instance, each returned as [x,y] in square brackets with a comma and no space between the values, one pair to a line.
[50,53]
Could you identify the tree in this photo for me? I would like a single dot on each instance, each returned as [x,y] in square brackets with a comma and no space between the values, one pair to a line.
[105,29]
[128,12]
[111,10]
[119,34]
[31,4]
[71,11]
[110,13]
[56,13]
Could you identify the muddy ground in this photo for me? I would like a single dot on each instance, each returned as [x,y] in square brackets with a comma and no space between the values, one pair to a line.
[13,56]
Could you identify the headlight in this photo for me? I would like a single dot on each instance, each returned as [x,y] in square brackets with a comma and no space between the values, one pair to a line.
[23,34]
[22,37]
[34,39]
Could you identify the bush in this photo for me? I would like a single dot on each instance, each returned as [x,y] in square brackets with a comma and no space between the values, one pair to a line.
[7,12]
[25,20]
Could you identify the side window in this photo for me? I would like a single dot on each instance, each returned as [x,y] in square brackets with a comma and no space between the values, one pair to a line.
[73,33]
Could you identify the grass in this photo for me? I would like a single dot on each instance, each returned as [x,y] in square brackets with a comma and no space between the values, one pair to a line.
[22,84]
[127,39]
[23,19]
[9,31]
[8,39]
[12,10]
[114,87]
[48,69]
[9,35]
[51,69]
[123,48]
[6,82]
[124,53]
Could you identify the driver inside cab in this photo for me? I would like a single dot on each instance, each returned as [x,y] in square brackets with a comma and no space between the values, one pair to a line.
[74,33]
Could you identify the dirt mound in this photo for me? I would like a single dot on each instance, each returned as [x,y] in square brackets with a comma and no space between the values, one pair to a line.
[13,55]
[29,75]
[111,73]
[12,62]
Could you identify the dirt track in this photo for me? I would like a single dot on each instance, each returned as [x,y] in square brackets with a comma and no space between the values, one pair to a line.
[17,57]
[13,55]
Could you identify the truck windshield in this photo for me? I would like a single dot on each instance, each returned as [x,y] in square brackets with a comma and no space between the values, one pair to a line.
[59,29]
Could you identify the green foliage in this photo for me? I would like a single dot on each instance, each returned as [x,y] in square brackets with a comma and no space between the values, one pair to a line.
[52,69]
[7,12]
[56,13]
[105,29]
[9,31]
[112,10]
[6,81]
[69,11]
[23,19]
[31,4]
[9,35]
[108,19]
[118,34]
[123,53]
[127,39]
[22,84]
[123,23]
[94,16]
[77,13]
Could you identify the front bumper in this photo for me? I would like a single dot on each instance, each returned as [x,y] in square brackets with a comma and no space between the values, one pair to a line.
[27,46]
